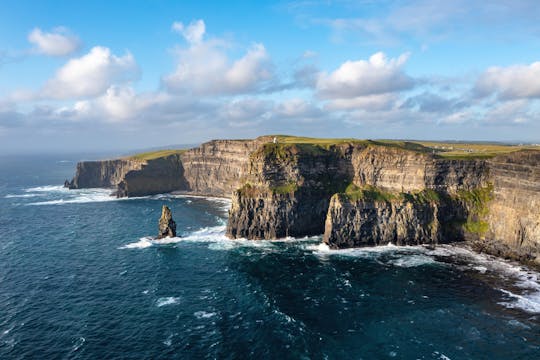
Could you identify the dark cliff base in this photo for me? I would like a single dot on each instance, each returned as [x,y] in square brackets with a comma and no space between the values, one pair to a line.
[355,192]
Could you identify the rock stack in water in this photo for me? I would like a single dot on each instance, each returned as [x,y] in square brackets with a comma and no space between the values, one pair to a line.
[167,226]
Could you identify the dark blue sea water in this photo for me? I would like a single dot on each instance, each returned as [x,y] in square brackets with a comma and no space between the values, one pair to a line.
[80,280]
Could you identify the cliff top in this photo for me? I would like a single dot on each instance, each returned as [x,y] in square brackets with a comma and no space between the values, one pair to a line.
[154,154]
[450,150]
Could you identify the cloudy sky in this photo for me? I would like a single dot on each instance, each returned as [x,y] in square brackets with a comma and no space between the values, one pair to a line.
[112,75]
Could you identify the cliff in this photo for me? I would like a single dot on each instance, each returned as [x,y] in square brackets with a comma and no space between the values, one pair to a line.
[102,174]
[354,192]
[286,191]
[513,215]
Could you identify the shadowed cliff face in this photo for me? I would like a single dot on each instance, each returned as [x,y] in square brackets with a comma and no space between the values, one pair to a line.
[102,174]
[286,191]
[353,223]
[155,176]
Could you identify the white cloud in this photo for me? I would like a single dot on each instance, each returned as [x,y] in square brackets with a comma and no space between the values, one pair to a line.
[204,68]
[512,82]
[352,79]
[58,42]
[193,33]
[91,75]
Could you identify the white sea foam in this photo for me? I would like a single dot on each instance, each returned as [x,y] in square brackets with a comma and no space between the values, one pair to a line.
[63,196]
[204,314]
[48,188]
[527,280]
[78,344]
[411,260]
[530,302]
[8,196]
[147,241]
[169,300]
[364,252]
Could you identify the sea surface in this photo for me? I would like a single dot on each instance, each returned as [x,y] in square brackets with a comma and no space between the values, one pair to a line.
[81,278]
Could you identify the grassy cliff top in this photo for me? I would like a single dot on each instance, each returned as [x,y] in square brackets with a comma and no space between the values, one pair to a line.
[151,155]
[451,150]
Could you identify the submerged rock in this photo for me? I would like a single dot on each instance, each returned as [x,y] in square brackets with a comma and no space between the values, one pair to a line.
[167,226]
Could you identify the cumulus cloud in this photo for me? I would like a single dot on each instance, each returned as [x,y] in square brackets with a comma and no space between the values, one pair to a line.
[512,82]
[91,75]
[58,42]
[204,68]
[193,33]
[352,79]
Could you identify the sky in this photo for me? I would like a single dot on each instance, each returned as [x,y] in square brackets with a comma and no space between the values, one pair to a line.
[118,75]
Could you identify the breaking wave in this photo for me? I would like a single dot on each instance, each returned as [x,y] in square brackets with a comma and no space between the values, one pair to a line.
[169,300]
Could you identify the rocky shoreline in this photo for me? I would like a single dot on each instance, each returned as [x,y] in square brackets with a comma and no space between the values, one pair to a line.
[356,193]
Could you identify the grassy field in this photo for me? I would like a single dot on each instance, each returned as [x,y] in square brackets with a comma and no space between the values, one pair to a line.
[450,150]
[154,154]
[441,149]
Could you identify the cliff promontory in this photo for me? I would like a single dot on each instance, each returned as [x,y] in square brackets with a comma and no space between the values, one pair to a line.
[355,192]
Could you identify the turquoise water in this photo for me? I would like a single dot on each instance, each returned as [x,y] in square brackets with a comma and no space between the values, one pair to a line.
[81,279]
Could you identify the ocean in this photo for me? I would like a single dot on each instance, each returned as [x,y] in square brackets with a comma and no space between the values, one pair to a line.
[81,278]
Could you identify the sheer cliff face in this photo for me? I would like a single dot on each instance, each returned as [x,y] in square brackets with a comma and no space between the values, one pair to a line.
[102,174]
[514,211]
[154,176]
[286,191]
[398,170]
[352,223]
[404,215]
[217,168]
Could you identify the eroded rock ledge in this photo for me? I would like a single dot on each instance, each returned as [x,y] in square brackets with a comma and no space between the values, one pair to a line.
[356,193]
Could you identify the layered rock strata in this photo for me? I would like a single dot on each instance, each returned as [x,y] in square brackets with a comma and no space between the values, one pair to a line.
[356,193]
[167,226]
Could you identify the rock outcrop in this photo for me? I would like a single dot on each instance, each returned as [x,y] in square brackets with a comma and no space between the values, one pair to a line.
[167,226]
[286,191]
[361,222]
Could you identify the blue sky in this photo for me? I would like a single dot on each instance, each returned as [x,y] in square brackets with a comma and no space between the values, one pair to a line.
[114,75]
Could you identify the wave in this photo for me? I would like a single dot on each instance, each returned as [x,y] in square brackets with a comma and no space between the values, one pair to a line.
[48,188]
[525,294]
[169,300]
[80,197]
[204,314]
[147,241]
[9,196]
[59,195]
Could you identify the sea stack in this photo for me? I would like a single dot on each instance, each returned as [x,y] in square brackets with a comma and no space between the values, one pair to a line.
[167,226]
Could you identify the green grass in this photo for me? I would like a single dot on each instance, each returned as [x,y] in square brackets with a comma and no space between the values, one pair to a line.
[288,188]
[369,193]
[477,200]
[452,151]
[151,155]
[424,196]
